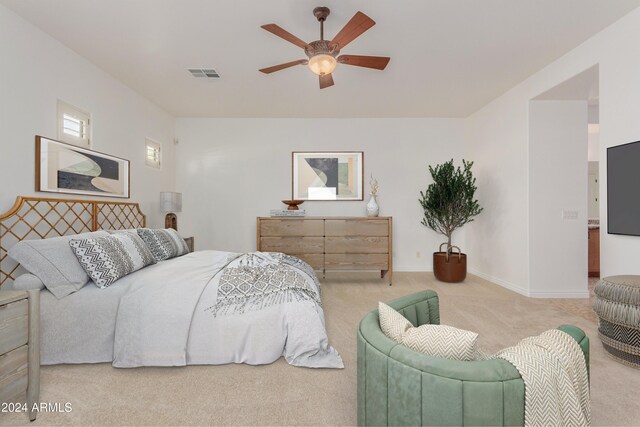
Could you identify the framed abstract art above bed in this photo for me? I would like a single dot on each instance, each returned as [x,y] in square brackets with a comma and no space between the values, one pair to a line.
[65,168]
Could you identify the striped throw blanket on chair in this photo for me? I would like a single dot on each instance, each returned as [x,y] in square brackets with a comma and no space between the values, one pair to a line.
[555,377]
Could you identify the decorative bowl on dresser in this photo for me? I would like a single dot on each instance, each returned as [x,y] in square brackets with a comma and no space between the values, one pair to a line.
[331,243]
[20,348]
[293,204]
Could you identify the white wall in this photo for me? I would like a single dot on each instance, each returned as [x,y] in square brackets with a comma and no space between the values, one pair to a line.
[36,71]
[498,240]
[619,124]
[232,170]
[593,147]
[557,184]
[497,136]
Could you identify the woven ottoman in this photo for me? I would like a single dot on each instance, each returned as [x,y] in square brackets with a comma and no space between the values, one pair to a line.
[617,304]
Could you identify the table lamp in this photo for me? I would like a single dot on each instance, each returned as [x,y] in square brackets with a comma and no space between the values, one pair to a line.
[170,202]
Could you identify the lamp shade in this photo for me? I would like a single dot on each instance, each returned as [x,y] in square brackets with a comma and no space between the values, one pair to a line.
[170,201]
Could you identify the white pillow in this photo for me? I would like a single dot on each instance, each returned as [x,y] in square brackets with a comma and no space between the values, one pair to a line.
[442,341]
[393,324]
[106,259]
[53,261]
[27,282]
[435,340]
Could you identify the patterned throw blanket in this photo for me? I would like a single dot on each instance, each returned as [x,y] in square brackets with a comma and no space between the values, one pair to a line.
[556,383]
[256,280]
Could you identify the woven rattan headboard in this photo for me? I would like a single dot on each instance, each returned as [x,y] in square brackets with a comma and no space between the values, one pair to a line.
[39,218]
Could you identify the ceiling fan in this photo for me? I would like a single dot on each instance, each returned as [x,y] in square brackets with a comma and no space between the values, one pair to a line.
[323,54]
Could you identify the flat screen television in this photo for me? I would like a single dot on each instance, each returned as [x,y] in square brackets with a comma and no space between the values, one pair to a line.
[623,189]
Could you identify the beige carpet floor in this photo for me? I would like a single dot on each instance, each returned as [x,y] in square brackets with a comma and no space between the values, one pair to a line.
[280,394]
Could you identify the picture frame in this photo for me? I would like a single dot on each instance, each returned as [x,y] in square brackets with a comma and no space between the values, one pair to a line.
[327,175]
[66,168]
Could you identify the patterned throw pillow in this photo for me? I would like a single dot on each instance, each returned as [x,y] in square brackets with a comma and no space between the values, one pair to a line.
[442,341]
[435,340]
[393,324]
[106,259]
[163,244]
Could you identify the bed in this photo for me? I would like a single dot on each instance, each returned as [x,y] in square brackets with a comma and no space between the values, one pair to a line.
[204,307]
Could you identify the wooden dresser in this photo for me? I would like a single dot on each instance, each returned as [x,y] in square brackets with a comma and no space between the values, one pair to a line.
[331,243]
[20,347]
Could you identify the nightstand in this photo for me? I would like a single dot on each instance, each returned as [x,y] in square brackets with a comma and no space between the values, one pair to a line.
[20,347]
[189,242]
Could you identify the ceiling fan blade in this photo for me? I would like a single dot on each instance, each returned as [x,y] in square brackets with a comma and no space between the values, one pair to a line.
[356,26]
[326,81]
[282,33]
[376,62]
[279,67]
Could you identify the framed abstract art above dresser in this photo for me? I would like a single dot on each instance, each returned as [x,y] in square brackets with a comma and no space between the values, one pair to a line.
[327,175]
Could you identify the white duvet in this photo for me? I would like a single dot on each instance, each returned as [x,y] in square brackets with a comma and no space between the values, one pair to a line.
[165,318]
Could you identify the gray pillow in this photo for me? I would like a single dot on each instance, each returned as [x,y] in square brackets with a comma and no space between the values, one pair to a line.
[163,243]
[53,262]
[27,282]
[106,259]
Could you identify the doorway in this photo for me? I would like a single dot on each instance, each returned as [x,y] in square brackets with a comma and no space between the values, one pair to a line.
[593,185]
[560,194]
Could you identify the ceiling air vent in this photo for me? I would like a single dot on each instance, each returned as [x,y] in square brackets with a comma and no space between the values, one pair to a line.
[209,73]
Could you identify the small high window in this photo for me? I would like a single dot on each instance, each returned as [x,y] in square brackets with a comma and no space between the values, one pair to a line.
[74,125]
[152,153]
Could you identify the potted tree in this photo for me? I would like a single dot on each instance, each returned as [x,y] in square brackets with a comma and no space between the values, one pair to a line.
[448,204]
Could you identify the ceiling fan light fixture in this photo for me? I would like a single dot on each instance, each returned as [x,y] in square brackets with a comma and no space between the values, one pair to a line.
[322,64]
[323,54]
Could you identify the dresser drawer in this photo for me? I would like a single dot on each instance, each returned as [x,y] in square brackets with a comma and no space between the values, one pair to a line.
[357,245]
[355,227]
[357,261]
[292,227]
[14,325]
[292,245]
[13,373]
[316,261]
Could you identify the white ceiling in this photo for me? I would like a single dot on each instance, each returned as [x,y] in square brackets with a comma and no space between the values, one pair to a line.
[448,57]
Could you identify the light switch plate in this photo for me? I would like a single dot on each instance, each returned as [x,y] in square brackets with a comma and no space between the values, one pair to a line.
[569,214]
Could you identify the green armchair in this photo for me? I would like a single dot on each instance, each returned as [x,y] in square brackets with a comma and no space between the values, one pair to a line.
[399,386]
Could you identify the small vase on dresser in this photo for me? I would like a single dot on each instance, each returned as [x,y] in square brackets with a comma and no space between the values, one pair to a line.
[372,207]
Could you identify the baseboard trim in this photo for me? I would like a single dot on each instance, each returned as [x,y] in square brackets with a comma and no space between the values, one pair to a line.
[511,286]
[413,268]
[559,294]
[525,292]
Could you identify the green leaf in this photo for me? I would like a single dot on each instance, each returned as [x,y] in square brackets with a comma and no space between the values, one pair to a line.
[448,202]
